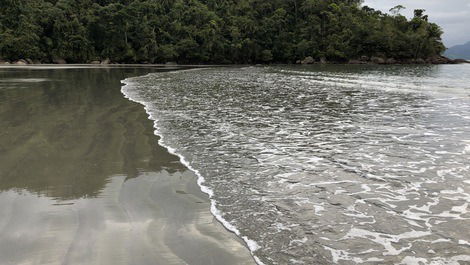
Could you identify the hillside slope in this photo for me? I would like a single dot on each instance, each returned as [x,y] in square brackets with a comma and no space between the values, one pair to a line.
[210,31]
[459,51]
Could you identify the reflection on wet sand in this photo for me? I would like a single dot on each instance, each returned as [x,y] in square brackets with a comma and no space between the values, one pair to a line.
[83,180]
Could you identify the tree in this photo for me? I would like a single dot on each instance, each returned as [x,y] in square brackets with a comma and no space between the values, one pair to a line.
[396,10]
[211,31]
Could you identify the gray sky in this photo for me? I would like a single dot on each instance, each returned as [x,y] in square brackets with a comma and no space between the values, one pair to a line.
[452,15]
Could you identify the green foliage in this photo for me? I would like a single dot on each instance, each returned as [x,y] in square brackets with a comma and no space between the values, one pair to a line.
[210,31]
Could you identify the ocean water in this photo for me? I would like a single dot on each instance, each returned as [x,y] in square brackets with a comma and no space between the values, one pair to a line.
[326,164]
[84,181]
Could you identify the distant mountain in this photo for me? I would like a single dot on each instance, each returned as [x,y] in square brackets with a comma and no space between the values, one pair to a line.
[459,51]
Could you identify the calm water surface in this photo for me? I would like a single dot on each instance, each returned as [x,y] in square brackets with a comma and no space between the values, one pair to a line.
[84,181]
[322,165]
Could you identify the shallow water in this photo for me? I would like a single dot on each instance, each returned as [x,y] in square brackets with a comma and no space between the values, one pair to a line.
[321,165]
[84,181]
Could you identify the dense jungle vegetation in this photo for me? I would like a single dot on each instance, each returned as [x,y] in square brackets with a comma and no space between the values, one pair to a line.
[210,31]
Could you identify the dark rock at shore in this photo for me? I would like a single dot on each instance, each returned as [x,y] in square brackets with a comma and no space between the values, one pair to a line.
[308,60]
[95,62]
[357,62]
[106,61]
[20,62]
[391,61]
[439,60]
[382,60]
[58,60]
[4,61]
[420,61]
[461,61]
[377,60]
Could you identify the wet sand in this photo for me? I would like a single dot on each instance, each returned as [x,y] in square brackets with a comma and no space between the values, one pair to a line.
[84,181]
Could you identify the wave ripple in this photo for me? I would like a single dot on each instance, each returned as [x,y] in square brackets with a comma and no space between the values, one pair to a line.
[343,165]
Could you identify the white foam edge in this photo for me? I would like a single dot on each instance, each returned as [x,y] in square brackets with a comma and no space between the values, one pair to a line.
[251,244]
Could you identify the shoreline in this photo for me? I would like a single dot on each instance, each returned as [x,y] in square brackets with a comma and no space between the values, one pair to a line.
[250,244]
[140,205]
[307,61]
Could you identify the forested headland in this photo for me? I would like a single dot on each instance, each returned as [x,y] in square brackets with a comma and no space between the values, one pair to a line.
[211,31]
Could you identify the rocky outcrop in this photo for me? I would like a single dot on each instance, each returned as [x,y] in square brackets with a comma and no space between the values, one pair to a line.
[456,61]
[95,62]
[357,62]
[420,61]
[58,60]
[443,60]
[21,62]
[4,61]
[106,61]
[383,60]
[391,61]
[308,60]
[437,60]
[377,60]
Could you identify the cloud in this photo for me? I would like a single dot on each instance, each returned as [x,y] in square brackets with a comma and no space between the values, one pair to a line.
[452,15]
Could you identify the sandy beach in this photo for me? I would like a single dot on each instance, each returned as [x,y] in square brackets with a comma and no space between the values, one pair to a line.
[84,181]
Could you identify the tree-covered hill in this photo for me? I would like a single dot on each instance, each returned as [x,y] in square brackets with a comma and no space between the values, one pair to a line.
[210,31]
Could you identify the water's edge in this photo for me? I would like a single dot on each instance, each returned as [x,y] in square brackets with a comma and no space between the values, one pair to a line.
[250,244]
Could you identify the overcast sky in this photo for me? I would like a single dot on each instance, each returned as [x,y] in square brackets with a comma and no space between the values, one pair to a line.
[452,15]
